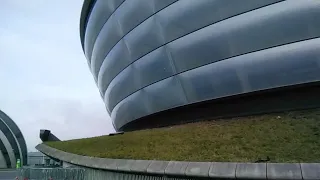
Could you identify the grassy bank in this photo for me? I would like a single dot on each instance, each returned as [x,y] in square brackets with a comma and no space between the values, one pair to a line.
[284,137]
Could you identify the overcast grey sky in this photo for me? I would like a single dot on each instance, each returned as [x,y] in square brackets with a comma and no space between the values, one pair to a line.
[44,76]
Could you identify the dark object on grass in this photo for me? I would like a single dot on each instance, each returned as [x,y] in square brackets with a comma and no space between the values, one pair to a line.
[46,135]
[262,160]
[116,133]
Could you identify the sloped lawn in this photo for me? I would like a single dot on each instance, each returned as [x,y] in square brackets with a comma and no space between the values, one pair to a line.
[284,137]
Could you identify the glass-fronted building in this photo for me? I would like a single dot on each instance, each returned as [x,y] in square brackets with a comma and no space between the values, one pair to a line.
[161,62]
[38,159]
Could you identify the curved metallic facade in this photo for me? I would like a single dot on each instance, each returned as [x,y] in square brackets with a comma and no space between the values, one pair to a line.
[12,143]
[149,56]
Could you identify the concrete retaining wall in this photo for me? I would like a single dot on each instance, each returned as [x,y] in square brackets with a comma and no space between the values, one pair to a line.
[103,168]
[51,174]
[83,173]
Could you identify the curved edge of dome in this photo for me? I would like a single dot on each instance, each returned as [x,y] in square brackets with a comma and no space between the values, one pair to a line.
[17,134]
[85,11]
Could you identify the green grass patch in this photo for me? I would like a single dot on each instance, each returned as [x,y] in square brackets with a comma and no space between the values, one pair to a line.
[284,137]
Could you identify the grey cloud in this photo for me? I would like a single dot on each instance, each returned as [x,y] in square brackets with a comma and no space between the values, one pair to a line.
[67,118]
[45,79]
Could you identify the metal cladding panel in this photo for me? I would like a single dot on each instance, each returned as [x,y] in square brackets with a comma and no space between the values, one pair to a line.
[290,21]
[139,105]
[121,87]
[7,152]
[211,81]
[132,13]
[175,22]
[144,38]
[281,66]
[115,62]
[211,48]
[186,16]
[158,5]
[157,65]
[165,94]
[17,135]
[85,14]
[121,113]
[3,163]
[128,20]
[135,106]
[185,52]
[100,13]
[12,140]
[109,36]
[156,97]
[128,16]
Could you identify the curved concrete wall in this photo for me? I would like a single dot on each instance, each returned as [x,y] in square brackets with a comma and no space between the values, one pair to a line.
[105,168]
[149,56]
[12,143]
